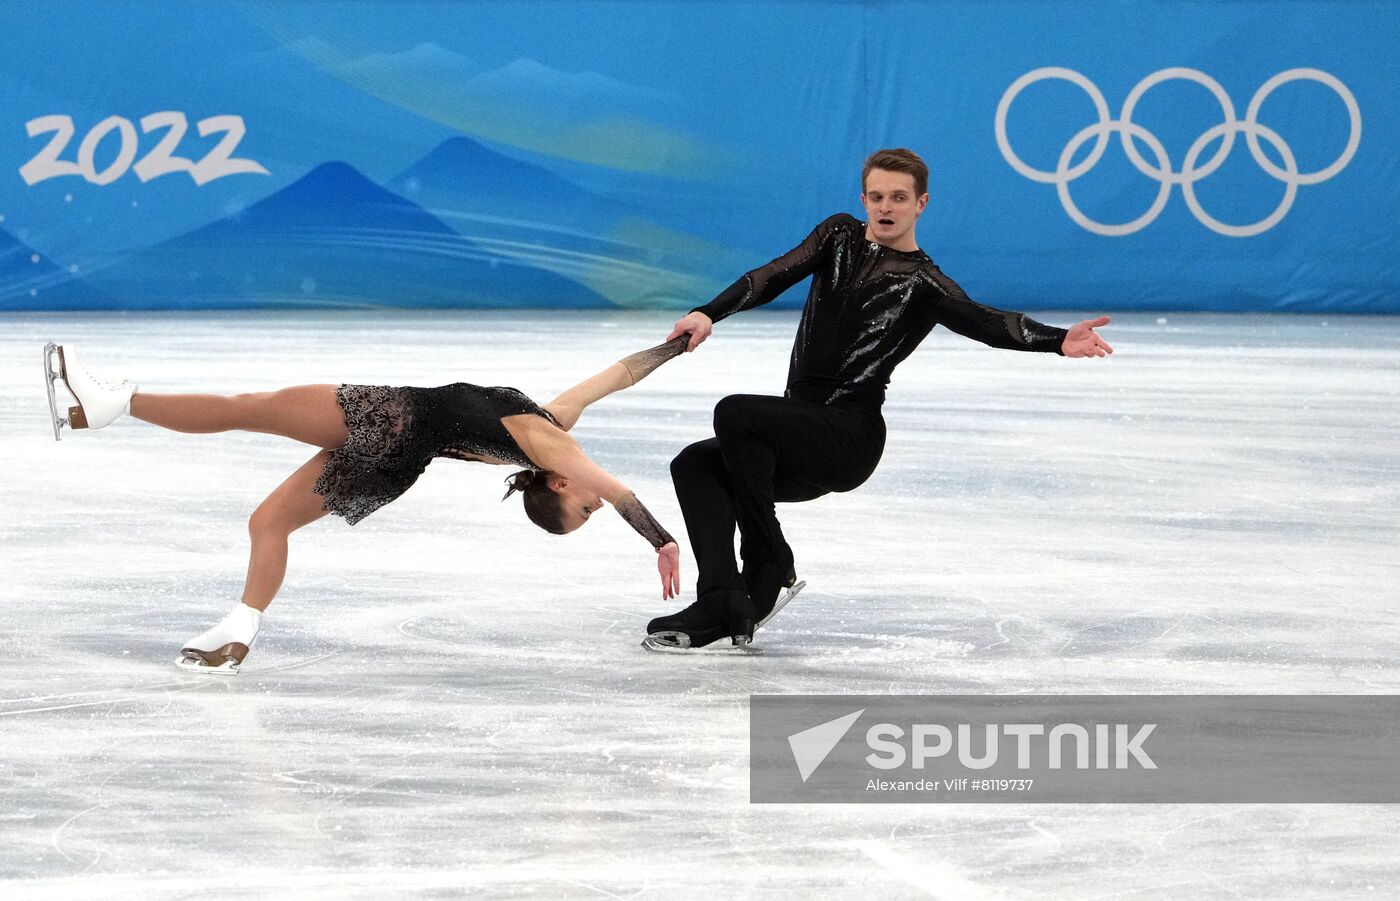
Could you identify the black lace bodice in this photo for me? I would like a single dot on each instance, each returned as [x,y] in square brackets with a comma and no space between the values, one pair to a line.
[868,308]
[464,420]
[394,433]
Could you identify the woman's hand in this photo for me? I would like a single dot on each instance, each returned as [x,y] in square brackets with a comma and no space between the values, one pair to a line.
[668,563]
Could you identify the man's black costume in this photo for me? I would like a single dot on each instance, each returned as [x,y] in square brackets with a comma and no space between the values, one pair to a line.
[868,308]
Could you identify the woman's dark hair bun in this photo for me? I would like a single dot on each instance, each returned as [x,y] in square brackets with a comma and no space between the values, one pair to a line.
[519,481]
[542,505]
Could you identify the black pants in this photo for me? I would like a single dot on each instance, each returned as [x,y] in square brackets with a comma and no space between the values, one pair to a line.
[766,450]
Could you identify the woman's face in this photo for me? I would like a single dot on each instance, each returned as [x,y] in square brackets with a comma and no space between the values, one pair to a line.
[578,504]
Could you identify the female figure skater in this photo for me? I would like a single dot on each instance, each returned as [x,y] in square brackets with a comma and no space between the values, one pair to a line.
[374,443]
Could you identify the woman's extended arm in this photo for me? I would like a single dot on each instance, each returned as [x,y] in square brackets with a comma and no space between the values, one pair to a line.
[562,455]
[567,407]
[574,465]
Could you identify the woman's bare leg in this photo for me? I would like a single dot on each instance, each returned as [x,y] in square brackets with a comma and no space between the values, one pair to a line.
[307,413]
[293,505]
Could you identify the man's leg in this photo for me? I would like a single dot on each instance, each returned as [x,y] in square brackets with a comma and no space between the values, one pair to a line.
[776,449]
[767,449]
[702,488]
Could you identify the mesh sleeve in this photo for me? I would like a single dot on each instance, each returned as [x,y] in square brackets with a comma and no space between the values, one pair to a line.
[640,364]
[993,327]
[640,518]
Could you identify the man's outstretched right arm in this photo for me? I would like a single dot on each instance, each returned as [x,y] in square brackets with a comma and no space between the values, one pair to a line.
[758,286]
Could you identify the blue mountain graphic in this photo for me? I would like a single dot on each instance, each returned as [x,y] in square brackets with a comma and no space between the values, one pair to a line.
[463,177]
[525,212]
[332,238]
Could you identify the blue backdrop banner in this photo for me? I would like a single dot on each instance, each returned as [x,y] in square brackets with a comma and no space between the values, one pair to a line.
[1109,155]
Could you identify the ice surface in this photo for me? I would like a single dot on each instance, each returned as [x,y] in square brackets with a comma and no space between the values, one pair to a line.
[447,701]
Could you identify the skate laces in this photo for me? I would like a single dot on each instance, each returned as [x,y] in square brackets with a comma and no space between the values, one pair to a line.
[104,384]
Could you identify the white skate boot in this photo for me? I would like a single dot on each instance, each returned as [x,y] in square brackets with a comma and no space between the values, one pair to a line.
[221,650]
[98,402]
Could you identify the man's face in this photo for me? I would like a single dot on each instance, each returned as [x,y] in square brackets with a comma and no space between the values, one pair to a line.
[891,206]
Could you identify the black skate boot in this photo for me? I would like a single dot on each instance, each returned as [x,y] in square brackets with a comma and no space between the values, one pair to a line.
[771,597]
[765,597]
[741,618]
[715,615]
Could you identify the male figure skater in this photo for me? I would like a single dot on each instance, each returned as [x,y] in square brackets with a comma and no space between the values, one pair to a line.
[874,297]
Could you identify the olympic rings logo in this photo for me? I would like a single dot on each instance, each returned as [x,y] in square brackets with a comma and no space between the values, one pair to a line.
[1190,173]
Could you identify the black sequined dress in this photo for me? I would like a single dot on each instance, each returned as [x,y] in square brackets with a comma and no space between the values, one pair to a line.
[396,432]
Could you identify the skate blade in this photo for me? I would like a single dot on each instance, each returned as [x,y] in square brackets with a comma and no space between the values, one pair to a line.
[660,646]
[781,603]
[197,665]
[743,644]
[54,354]
[669,643]
[222,661]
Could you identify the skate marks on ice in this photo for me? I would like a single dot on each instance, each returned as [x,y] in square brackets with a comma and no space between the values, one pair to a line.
[263,668]
[158,695]
[505,880]
[928,877]
[125,669]
[155,694]
[428,720]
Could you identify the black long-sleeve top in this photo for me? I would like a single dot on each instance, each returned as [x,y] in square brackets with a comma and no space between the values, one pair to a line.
[868,308]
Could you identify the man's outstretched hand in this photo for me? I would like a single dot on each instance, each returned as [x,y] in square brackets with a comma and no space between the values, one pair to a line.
[1082,340]
[697,325]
